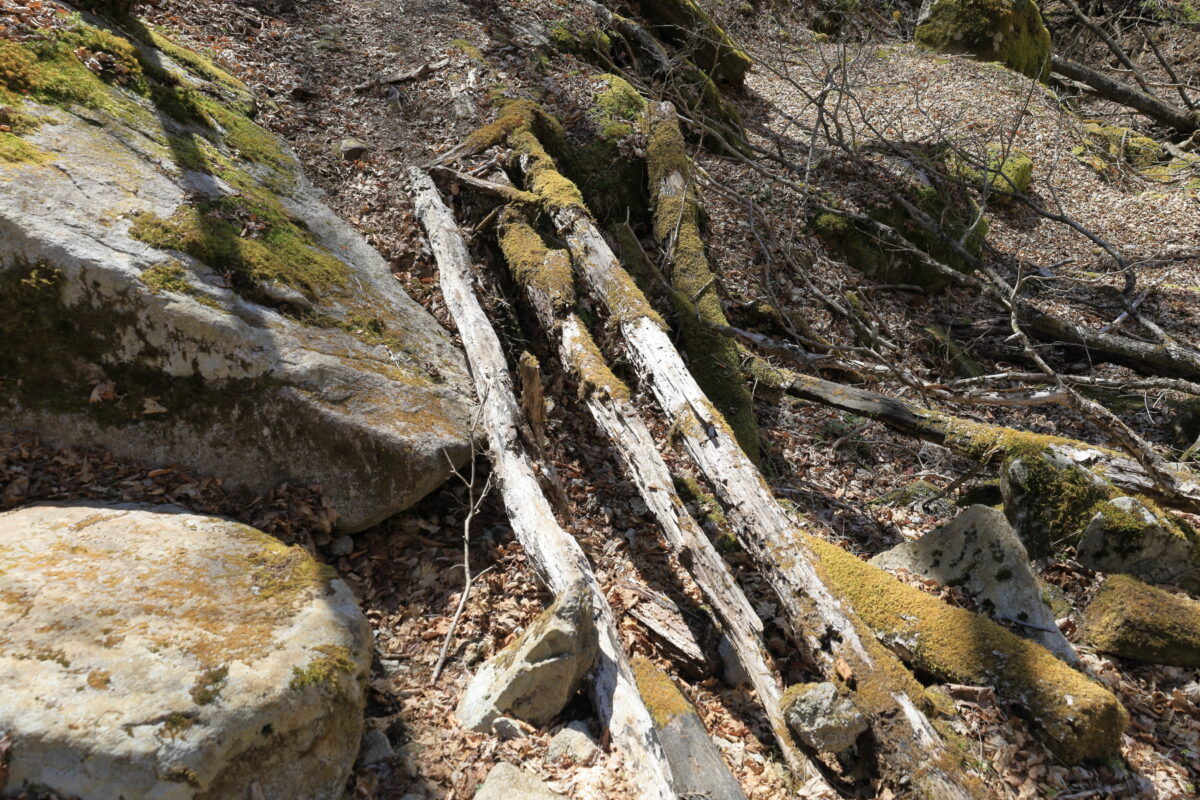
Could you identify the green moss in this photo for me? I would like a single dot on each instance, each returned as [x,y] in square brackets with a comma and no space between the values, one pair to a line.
[285,574]
[15,150]
[952,207]
[469,50]
[167,276]
[710,47]
[1079,719]
[211,231]
[209,684]
[1133,620]
[329,670]
[1008,31]
[590,43]
[195,63]
[1006,171]
[663,699]
[1117,145]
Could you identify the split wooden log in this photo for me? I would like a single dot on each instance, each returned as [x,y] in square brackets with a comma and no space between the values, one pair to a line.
[545,276]
[916,760]
[1180,119]
[557,557]
[714,357]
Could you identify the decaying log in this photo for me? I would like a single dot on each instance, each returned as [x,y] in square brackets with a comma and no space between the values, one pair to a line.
[545,275]
[714,357]
[1166,114]
[557,557]
[710,47]
[821,623]
[693,756]
[979,440]
[1078,718]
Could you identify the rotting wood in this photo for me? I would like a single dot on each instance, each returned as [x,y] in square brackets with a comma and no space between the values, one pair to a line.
[608,401]
[557,557]
[1182,120]
[916,760]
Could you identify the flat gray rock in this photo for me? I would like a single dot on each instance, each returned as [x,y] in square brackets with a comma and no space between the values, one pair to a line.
[147,652]
[506,782]
[1126,536]
[979,553]
[575,742]
[540,671]
[179,293]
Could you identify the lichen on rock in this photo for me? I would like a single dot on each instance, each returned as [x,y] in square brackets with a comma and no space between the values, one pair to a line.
[1133,620]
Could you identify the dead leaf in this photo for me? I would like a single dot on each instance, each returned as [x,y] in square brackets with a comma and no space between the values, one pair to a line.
[843,669]
[105,390]
[152,406]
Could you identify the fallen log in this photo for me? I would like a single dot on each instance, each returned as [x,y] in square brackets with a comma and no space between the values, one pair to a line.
[916,760]
[713,356]
[557,557]
[1180,119]
[980,441]
[545,276]
[1077,718]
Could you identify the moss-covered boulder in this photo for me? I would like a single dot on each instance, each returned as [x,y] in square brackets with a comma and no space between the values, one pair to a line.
[1003,169]
[173,289]
[951,206]
[1049,499]
[149,652]
[710,47]
[1008,31]
[1129,619]
[1135,537]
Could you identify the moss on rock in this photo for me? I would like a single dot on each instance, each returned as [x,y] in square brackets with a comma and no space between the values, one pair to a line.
[1008,170]
[1078,718]
[1130,619]
[1008,31]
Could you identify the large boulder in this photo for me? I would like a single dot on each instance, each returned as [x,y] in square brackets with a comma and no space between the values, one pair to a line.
[1008,31]
[173,289]
[1049,499]
[540,671]
[149,652]
[980,554]
[1127,536]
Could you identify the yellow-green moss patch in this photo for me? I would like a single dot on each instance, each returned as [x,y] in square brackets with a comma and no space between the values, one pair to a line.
[1008,31]
[1079,719]
[1130,619]
[330,669]
[208,685]
[658,691]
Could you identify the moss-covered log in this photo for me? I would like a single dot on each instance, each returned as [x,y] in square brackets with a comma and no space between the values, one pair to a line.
[1078,718]
[700,771]
[1127,618]
[914,759]
[714,357]
[710,47]
[980,440]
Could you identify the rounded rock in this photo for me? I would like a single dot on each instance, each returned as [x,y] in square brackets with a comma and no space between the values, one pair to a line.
[148,652]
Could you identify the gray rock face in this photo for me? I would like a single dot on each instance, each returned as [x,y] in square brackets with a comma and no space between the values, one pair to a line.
[574,742]
[1048,499]
[177,292]
[146,652]
[1125,536]
[506,782]
[375,748]
[534,677]
[979,553]
[823,719]
[732,670]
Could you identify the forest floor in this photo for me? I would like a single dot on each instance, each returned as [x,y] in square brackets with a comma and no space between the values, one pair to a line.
[305,59]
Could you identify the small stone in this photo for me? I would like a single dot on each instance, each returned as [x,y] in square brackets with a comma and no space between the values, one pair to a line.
[823,719]
[342,546]
[375,748]
[534,677]
[507,728]
[574,742]
[353,149]
[734,673]
[506,782]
